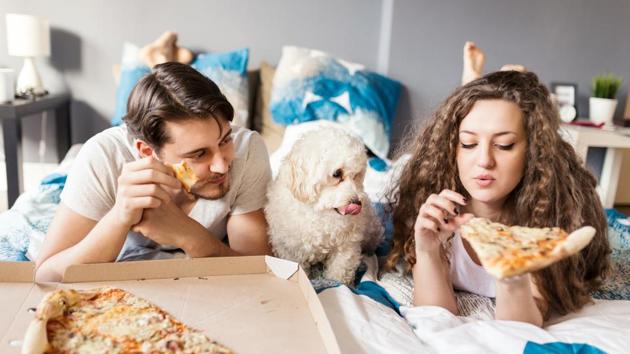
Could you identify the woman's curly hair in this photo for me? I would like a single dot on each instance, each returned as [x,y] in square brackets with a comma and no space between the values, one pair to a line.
[556,189]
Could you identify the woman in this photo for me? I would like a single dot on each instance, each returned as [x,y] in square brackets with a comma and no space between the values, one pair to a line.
[493,150]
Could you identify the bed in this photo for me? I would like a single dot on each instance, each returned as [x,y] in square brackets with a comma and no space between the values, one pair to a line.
[376,316]
[366,321]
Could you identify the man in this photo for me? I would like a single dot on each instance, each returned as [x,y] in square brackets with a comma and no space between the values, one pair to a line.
[122,201]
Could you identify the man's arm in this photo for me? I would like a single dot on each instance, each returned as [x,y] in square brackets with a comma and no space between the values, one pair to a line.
[75,239]
[247,234]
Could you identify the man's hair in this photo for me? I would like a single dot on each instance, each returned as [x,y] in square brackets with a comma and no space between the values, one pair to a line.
[172,92]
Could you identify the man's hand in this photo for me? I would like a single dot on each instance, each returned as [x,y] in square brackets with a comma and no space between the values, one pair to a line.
[167,224]
[141,186]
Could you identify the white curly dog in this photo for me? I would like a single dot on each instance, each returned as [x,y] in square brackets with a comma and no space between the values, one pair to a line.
[317,209]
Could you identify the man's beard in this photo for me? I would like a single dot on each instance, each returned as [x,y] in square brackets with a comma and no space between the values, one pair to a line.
[214,193]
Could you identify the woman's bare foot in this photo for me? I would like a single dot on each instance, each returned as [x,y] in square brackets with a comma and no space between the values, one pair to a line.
[183,55]
[474,60]
[514,67]
[165,49]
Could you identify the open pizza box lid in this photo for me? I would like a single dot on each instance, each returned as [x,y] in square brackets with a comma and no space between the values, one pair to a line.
[256,304]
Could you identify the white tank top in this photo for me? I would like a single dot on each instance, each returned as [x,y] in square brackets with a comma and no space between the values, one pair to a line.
[468,275]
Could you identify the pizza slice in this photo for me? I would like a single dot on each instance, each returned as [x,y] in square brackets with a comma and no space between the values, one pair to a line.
[185,174]
[109,320]
[506,251]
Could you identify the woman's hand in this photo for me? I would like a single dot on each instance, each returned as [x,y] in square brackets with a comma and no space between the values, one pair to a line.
[437,219]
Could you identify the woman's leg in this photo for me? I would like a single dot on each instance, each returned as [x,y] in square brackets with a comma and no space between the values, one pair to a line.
[474,59]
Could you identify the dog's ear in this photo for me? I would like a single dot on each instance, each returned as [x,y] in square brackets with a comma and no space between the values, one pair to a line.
[298,179]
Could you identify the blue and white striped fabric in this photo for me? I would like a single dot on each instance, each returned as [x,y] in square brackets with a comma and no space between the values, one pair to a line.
[312,85]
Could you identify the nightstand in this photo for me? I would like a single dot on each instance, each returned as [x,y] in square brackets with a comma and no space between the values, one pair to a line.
[614,141]
[11,115]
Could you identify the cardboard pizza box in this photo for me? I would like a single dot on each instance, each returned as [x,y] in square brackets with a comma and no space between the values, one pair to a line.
[256,304]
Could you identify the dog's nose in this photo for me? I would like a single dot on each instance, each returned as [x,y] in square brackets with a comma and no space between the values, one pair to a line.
[356,201]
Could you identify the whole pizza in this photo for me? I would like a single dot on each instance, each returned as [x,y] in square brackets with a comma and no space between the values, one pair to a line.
[109,320]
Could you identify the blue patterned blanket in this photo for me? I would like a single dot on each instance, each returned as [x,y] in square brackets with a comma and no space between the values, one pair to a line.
[26,223]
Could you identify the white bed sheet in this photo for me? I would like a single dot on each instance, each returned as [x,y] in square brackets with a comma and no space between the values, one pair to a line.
[365,326]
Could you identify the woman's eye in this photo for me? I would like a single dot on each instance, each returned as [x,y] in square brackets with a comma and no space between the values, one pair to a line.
[468,146]
[200,154]
[338,173]
[505,147]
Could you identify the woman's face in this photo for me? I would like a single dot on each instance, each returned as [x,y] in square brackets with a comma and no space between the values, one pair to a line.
[491,151]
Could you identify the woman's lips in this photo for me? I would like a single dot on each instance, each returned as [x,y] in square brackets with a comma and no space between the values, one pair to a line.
[484,180]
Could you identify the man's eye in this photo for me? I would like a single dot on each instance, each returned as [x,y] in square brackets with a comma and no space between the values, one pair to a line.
[468,146]
[338,173]
[505,147]
[226,141]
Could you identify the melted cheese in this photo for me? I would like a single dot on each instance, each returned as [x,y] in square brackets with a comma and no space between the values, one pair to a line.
[506,250]
[185,174]
[115,321]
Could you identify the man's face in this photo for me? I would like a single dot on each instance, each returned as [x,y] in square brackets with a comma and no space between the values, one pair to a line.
[208,147]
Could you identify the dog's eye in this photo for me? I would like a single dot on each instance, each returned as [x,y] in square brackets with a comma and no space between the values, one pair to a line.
[338,173]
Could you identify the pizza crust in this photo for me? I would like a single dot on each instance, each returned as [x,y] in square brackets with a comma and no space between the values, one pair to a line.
[36,338]
[576,241]
[53,305]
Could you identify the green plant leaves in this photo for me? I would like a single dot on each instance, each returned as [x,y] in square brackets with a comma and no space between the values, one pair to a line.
[606,85]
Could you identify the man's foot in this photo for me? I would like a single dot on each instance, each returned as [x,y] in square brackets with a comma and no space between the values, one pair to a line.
[474,60]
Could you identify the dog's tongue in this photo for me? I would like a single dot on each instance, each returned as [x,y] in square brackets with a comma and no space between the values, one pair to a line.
[351,209]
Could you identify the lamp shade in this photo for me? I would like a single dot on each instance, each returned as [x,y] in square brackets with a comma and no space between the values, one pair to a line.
[27,36]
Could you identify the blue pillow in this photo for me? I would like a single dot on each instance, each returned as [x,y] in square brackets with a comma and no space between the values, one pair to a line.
[227,70]
[129,77]
[311,85]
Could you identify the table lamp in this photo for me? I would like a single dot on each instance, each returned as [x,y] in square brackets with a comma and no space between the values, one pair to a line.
[28,37]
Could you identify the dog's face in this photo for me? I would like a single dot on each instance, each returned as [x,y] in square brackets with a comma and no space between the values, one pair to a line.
[326,168]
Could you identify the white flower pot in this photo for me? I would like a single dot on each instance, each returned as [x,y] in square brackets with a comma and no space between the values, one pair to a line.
[602,110]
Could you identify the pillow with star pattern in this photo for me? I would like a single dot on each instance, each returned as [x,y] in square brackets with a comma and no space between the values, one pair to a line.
[312,85]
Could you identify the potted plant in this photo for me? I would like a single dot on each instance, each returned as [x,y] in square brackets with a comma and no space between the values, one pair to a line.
[603,103]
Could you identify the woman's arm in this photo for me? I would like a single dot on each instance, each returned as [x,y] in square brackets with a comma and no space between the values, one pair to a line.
[437,218]
[432,286]
[516,301]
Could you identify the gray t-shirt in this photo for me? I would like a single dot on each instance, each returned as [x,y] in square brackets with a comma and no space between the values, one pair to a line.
[91,186]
